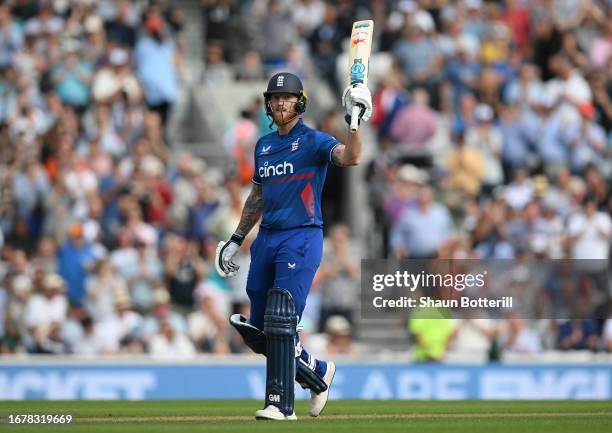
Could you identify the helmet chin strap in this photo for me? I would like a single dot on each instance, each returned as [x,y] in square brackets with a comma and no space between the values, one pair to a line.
[284,122]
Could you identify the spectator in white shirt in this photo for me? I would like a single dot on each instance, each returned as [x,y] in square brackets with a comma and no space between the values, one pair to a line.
[169,343]
[44,309]
[589,240]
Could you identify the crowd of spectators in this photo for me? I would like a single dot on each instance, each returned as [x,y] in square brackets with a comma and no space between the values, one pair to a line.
[493,140]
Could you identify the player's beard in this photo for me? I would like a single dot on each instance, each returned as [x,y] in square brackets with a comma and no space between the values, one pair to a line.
[286,116]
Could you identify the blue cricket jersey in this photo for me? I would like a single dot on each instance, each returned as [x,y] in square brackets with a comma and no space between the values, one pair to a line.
[291,170]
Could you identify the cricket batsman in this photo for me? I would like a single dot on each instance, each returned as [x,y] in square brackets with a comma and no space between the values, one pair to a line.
[290,169]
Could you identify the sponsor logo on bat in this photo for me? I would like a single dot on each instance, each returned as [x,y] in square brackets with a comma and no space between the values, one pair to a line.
[361,25]
[357,41]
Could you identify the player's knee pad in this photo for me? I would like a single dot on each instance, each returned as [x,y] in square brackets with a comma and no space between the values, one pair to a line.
[253,337]
[280,317]
[280,327]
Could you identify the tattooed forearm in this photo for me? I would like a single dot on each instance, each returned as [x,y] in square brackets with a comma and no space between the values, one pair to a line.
[345,155]
[252,210]
[337,155]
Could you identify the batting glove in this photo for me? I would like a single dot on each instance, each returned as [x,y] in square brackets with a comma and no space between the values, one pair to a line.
[224,258]
[358,94]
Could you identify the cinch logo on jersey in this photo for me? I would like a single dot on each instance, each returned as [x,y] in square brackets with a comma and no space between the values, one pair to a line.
[279,169]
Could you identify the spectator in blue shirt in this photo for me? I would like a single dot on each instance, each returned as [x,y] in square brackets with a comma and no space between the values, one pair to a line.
[74,258]
[154,59]
[72,78]
[422,230]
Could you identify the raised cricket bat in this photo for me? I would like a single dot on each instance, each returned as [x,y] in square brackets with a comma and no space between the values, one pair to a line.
[359,58]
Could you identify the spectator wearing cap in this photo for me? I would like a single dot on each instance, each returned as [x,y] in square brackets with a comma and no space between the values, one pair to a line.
[44,309]
[160,311]
[487,139]
[155,60]
[339,336]
[402,192]
[116,80]
[421,230]
[122,326]
[75,258]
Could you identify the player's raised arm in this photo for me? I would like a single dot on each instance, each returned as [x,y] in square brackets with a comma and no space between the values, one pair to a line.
[359,96]
[251,212]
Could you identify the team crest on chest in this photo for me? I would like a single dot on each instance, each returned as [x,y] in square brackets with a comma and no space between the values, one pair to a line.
[295,145]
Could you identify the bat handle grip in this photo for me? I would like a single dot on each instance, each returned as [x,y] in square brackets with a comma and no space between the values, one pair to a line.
[355,118]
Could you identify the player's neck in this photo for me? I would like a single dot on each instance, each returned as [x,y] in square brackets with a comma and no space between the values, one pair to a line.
[287,127]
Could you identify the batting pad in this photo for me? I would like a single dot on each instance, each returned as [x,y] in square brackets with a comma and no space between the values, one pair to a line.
[257,342]
[280,324]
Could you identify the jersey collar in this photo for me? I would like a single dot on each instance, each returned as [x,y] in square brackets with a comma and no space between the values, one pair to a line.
[295,130]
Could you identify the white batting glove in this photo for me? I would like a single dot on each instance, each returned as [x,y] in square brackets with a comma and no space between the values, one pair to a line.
[358,94]
[224,257]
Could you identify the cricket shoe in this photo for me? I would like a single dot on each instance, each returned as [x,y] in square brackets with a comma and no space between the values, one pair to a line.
[274,413]
[318,401]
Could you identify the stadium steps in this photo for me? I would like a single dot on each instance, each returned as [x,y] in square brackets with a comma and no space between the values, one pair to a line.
[383,335]
[191,127]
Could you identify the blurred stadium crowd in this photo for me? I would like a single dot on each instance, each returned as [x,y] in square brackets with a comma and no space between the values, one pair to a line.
[492,135]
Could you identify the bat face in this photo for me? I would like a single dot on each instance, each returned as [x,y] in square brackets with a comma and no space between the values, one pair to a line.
[359,51]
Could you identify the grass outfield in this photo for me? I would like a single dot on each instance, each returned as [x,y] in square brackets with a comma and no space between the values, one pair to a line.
[340,416]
